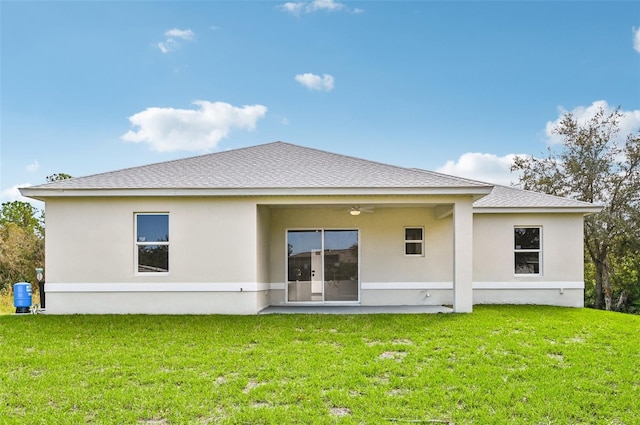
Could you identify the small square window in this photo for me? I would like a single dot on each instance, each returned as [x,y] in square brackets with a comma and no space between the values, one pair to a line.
[414,241]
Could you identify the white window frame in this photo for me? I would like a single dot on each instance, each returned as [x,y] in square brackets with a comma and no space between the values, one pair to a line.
[527,250]
[138,243]
[413,241]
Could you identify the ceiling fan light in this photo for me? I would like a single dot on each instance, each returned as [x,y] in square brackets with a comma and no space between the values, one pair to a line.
[354,211]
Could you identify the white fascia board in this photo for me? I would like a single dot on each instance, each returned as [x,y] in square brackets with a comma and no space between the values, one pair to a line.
[535,210]
[50,193]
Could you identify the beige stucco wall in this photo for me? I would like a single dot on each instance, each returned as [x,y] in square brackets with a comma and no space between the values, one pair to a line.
[562,247]
[214,247]
[233,253]
[92,240]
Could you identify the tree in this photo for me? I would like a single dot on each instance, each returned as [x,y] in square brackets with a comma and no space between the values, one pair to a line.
[23,214]
[21,242]
[593,167]
[58,176]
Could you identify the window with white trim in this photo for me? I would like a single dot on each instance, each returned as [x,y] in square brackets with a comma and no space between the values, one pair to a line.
[527,250]
[152,243]
[414,241]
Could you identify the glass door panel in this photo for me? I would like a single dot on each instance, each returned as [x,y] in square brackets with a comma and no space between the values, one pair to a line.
[341,265]
[304,265]
[322,265]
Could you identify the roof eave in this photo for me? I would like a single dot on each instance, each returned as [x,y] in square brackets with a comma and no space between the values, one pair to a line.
[43,193]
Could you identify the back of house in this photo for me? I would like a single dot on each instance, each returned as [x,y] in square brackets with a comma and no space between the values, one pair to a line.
[284,225]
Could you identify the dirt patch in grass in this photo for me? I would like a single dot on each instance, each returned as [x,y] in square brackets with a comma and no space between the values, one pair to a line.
[393,355]
[340,411]
[250,386]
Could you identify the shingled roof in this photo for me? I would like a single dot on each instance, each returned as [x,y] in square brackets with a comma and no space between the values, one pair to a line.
[511,197]
[271,165]
[274,167]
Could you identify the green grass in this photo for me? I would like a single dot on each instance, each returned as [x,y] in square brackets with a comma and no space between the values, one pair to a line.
[499,365]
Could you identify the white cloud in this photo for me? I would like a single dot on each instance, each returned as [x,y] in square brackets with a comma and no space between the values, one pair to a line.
[329,5]
[296,8]
[629,121]
[485,167]
[316,82]
[177,33]
[169,129]
[13,194]
[293,8]
[636,39]
[33,167]
[173,36]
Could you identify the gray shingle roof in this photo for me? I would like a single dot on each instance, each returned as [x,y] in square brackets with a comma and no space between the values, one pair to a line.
[510,197]
[272,165]
[280,165]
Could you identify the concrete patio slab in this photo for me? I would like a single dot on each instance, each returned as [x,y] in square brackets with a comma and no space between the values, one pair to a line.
[356,309]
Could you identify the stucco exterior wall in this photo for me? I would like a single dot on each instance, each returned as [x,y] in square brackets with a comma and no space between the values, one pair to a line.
[561,281]
[562,247]
[228,255]
[92,241]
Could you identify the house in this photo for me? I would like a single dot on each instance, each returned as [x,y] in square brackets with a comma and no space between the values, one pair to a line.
[283,225]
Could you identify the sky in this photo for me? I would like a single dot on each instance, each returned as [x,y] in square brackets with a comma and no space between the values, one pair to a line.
[458,87]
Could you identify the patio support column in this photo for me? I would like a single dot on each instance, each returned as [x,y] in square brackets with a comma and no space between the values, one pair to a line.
[463,256]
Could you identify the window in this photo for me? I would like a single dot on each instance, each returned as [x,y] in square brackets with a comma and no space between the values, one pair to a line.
[414,241]
[152,243]
[527,250]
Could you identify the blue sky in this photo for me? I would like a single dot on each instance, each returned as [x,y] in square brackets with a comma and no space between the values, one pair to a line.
[458,87]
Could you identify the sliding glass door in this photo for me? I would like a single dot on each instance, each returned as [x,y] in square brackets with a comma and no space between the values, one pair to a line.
[340,265]
[304,268]
[322,266]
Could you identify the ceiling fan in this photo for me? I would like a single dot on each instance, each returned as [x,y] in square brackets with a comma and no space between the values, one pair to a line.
[357,209]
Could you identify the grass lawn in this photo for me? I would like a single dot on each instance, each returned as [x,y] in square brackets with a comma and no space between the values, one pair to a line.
[499,365]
